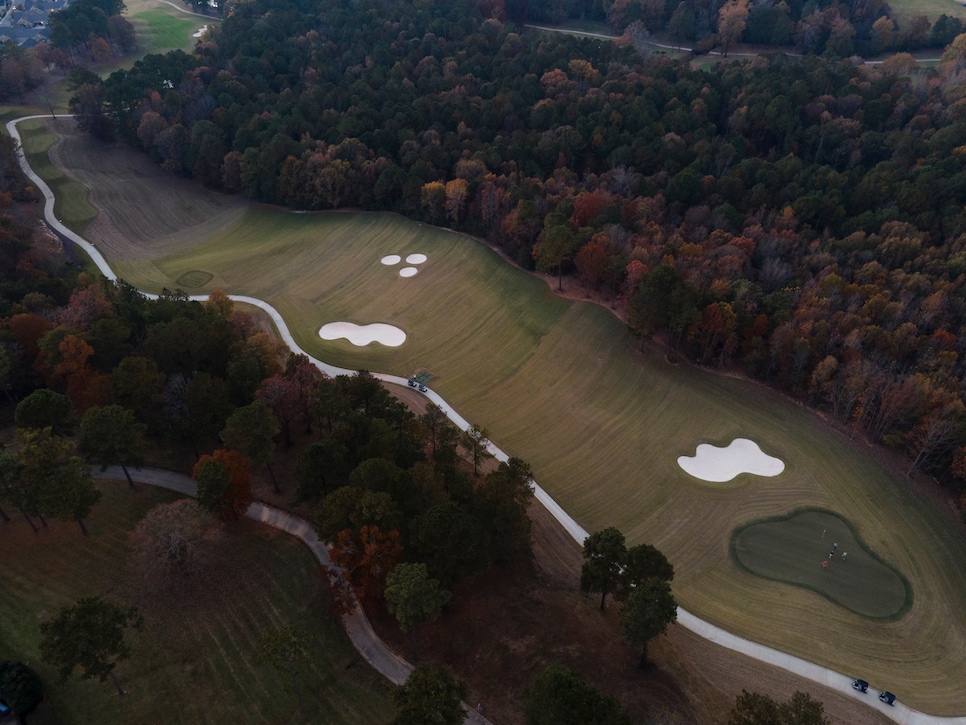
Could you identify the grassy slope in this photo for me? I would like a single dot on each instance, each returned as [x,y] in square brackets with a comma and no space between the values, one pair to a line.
[904,10]
[71,204]
[193,670]
[561,384]
[158,28]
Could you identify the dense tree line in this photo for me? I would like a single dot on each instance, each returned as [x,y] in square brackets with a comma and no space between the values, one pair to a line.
[816,26]
[803,218]
[92,30]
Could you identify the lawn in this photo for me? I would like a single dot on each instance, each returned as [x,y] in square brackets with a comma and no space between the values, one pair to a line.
[562,385]
[159,30]
[196,666]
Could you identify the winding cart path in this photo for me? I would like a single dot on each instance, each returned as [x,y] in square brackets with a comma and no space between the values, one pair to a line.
[382,656]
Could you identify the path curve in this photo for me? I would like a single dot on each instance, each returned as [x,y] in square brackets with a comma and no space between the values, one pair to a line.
[685,49]
[356,623]
[822,675]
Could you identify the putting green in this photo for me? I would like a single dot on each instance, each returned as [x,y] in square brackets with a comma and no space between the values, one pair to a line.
[793,549]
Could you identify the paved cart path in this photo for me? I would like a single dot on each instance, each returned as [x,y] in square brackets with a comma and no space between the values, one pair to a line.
[393,667]
[822,675]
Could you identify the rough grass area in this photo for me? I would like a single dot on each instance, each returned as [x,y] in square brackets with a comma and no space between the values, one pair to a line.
[195,660]
[905,10]
[819,551]
[562,385]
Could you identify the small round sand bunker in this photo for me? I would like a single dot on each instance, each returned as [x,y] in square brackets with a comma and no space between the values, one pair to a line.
[390,259]
[719,465]
[415,259]
[361,335]
[408,272]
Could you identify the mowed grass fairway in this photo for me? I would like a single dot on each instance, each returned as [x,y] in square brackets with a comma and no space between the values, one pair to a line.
[191,668]
[819,551]
[71,203]
[562,385]
[158,30]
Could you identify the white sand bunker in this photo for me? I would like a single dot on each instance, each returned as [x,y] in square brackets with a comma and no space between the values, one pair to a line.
[199,32]
[361,335]
[718,465]
[391,259]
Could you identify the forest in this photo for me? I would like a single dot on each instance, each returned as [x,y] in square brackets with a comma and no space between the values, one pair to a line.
[800,218]
[868,27]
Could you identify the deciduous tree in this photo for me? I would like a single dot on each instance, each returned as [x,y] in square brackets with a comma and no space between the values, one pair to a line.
[286,649]
[642,562]
[224,485]
[172,544]
[252,430]
[605,553]
[351,508]
[732,19]
[646,613]
[112,436]
[430,696]
[59,481]
[558,696]
[366,559]
[88,634]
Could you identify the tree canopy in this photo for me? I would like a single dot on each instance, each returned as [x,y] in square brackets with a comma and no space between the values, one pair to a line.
[413,598]
[88,634]
[430,696]
[558,696]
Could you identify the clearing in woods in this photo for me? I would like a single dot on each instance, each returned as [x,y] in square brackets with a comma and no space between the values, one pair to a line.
[562,385]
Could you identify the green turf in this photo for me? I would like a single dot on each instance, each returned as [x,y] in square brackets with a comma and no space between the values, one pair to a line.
[203,669]
[194,278]
[423,377]
[562,385]
[819,551]
[71,204]
[159,31]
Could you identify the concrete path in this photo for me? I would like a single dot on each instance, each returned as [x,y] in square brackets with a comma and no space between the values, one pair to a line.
[685,49]
[823,676]
[356,623]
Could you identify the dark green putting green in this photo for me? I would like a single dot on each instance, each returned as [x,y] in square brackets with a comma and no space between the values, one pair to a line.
[792,549]
[195,278]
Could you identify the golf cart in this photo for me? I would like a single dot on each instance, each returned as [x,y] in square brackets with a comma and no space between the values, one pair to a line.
[887,697]
[413,383]
[860,685]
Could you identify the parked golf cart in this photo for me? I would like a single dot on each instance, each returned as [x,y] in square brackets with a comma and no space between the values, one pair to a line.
[860,685]
[887,697]
[413,383]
